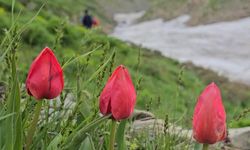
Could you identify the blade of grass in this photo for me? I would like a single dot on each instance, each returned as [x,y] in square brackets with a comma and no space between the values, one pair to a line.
[6,116]
[13,125]
[12,12]
[87,144]
[55,142]
[79,136]
[8,31]
[70,61]
[33,125]
[100,68]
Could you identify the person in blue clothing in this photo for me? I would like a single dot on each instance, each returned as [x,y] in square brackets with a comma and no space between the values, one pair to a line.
[87,20]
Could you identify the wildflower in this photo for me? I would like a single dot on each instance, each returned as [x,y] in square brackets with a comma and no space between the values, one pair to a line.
[45,77]
[209,120]
[118,96]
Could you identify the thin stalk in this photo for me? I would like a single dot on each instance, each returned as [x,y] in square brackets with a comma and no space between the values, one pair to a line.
[205,147]
[70,61]
[112,135]
[12,12]
[47,103]
[32,128]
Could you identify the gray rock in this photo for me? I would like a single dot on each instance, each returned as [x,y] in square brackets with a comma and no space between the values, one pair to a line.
[238,139]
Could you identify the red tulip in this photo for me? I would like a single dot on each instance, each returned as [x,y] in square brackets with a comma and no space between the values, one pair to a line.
[118,96]
[45,77]
[209,120]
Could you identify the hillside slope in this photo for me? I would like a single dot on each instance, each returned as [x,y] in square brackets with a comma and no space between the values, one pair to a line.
[201,11]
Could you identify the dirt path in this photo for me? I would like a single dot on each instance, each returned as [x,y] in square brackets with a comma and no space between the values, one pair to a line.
[223,47]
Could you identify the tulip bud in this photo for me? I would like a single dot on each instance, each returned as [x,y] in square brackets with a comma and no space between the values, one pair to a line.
[45,77]
[209,120]
[118,96]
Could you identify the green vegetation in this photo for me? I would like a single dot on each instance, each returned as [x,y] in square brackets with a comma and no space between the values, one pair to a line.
[164,86]
[103,9]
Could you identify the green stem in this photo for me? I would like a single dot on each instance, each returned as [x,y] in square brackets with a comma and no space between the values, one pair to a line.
[205,147]
[112,135]
[47,104]
[32,128]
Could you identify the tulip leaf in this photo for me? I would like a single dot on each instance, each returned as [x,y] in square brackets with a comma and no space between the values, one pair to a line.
[120,135]
[197,146]
[85,109]
[87,144]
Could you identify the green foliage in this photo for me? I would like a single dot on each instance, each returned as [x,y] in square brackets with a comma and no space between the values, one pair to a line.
[5,21]
[13,123]
[120,135]
[12,126]
[38,33]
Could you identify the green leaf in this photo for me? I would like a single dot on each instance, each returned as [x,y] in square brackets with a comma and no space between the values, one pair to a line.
[6,116]
[79,136]
[55,142]
[14,123]
[100,68]
[70,61]
[20,31]
[197,146]
[87,144]
[120,135]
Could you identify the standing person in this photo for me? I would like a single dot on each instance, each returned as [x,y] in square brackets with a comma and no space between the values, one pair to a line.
[87,20]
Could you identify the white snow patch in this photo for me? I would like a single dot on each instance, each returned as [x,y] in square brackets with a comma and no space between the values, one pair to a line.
[223,47]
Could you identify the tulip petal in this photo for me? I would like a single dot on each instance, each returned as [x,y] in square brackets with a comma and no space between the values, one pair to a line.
[105,98]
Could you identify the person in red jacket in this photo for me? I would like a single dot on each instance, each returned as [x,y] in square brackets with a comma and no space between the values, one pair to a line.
[95,22]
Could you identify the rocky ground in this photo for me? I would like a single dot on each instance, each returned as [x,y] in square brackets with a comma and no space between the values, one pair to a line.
[238,139]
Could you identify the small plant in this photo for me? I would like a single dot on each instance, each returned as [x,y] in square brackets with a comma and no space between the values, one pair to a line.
[118,98]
